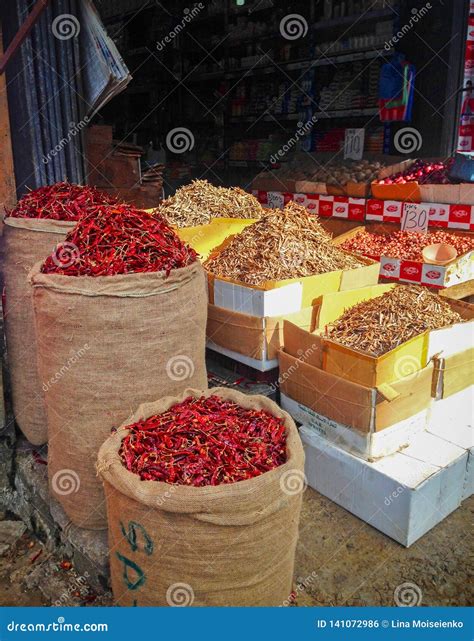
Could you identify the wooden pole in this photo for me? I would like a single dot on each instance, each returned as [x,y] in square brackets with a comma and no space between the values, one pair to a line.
[7,174]
[22,33]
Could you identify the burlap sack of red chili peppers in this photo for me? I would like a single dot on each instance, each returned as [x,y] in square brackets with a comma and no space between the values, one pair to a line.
[231,544]
[40,221]
[104,344]
[25,241]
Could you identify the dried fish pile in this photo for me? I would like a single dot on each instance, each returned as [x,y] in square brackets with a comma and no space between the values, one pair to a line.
[199,202]
[379,325]
[286,243]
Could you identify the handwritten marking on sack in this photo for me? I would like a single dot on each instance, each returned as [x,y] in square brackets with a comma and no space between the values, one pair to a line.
[139,540]
[130,565]
[131,537]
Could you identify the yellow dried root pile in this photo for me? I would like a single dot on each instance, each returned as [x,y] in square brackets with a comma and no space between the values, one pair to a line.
[286,243]
[199,202]
[379,325]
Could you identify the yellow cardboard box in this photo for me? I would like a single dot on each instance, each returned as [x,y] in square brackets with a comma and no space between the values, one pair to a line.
[404,360]
[205,238]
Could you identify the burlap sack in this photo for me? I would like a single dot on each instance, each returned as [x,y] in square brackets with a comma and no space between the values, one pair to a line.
[228,545]
[104,345]
[25,242]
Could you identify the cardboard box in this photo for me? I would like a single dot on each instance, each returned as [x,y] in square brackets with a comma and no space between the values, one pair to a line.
[414,192]
[409,192]
[403,495]
[251,337]
[310,187]
[261,365]
[459,270]
[368,446]
[463,292]
[329,307]
[276,298]
[205,238]
[405,359]
[453,374]
[368,422]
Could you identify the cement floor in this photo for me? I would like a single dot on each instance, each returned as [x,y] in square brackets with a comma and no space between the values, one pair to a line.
[340,559]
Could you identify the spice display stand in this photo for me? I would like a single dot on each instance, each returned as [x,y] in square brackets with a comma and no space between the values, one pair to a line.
[448,216]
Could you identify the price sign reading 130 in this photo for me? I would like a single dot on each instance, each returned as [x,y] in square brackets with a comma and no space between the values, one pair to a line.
[415,217]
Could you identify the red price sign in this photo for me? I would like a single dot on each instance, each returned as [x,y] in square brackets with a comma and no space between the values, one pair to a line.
[415,217]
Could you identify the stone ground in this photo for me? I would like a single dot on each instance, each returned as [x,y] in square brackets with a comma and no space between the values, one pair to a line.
[340,559]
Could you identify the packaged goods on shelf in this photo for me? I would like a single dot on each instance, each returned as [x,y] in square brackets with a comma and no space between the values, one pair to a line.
[280,264]
[400,254]
[256,518]
[199,202]
[403,495]
[369,422]
[32,229]
[131,317]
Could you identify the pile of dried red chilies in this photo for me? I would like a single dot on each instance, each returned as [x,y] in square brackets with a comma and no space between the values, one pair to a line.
[61,201]
[119,239]
[204,441]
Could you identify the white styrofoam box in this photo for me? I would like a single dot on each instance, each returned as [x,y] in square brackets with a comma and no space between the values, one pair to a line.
[447,414]
[403,495]
[263,365]
[257,302]
[469,478]
[370,445]
[452,419]
[447,341]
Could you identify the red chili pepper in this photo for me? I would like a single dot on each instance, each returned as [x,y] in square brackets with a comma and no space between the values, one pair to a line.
[204,441]
[61,201]
[119,240]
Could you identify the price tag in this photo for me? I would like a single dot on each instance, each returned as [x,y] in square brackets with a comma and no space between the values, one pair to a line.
[415,217]
[354,144]
[275,199]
